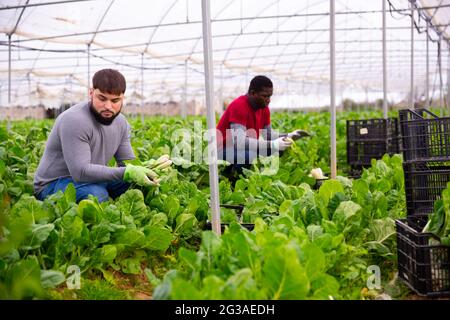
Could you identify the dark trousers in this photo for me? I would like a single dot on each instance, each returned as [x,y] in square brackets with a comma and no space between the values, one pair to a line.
[100,190]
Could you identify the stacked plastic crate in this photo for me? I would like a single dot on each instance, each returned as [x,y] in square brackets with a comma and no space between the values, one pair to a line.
[426,163]
[370,139]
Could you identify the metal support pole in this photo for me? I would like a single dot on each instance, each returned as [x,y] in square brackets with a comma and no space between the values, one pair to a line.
[427,76]
[29,89]
[88,68]
[210,117]
[366,90]
[142,88]
[333,90]
[385,103]
[441,97]
[411,103]
[9,68]
[288,104]
[221,91]
[184,103]
[448,80]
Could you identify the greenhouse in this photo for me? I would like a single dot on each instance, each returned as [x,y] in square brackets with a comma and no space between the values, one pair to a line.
[224,150]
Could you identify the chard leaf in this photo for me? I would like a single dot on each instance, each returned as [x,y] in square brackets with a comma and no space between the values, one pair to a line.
[188,258]
[325,287]
[51,278]
[328,189]
[105,254]
[241,285]
[90,211]
[112,214]
[36,236]
[284,276]
[157,238]
[314,260]
[436,221]
[184,290]
[100,233]
[246,250]
[15,191]
[70,194]
[210,246]
[29,210]
[72,226]
[132,203]
[383,233]
[24,279]
[131,265]
[345,212]
[287,209]
[130,237]
[159,219]
[2,168]
[171,208]
[185,224]
[213,288]
[314,231]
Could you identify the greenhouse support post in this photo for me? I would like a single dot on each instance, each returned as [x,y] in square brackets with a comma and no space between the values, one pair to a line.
[9,68]
[211,119]
[332,90]
[385,104]
[427,76]
[142,88]
[88,68]
[441,95]
[448,77]
[411,102]
[184,103]
[221,91]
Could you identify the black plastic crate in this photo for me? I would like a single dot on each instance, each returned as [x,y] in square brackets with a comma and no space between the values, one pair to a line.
[371,139]
[223,226]
[239,208]
[355,172]
[423,267]
[424,183]
[425,136]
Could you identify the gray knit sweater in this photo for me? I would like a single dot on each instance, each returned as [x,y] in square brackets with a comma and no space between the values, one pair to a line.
[80,147]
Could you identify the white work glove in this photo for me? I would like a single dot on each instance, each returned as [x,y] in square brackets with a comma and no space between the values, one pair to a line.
[281,143]
[297,134]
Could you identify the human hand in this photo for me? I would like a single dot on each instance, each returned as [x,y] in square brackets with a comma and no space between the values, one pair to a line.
[281,143]
[140,175]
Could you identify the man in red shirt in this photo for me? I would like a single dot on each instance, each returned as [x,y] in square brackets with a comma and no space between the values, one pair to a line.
[245,120]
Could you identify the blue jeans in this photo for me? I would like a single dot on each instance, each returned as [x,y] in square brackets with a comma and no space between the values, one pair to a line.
[100,190]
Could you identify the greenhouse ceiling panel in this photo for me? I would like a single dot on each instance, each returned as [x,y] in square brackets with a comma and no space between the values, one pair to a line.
[50,49]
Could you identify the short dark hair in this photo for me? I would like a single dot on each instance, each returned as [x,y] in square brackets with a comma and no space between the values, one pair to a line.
[109,81]
[260,82]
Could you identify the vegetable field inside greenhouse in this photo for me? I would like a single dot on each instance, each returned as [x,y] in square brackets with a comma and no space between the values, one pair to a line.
[239,151]
[307,243]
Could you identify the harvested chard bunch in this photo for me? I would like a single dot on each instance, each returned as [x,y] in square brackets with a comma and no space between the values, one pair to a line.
[158,167]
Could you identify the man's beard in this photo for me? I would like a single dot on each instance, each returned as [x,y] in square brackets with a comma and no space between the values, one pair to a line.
[255,106]
[101,119]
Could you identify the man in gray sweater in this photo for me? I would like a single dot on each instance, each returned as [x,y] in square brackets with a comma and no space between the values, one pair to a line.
[84,139]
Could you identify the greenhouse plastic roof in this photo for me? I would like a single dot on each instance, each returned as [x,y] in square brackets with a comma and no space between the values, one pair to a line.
[56,46]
